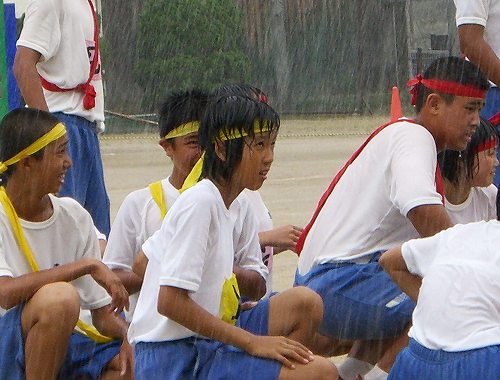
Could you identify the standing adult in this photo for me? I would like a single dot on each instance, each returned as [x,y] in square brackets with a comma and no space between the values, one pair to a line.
[57,67]
[478,23]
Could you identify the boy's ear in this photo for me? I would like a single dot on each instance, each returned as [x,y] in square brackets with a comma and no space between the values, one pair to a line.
[167,147]
[220,150]
[434,102]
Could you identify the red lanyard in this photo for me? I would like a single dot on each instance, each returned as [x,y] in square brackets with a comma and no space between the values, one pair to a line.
[87,88]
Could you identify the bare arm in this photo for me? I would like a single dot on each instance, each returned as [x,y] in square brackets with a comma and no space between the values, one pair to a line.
[111,324]
[139,265]
[281,238]
[250,283]
[130,280]
[474,46]
[429,219]
[27,77]
[393,263]
[14,290]
[176,304]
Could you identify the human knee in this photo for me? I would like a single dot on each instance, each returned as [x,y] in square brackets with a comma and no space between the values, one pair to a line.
[56,302]
[307,301]
[322,368]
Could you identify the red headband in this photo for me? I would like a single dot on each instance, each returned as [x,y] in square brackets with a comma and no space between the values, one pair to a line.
[444,86]
[495,119]
[488,144]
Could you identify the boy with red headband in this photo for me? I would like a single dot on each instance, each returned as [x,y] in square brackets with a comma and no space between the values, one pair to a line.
[340,247]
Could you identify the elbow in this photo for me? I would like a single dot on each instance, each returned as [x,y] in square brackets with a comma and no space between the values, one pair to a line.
[7,301]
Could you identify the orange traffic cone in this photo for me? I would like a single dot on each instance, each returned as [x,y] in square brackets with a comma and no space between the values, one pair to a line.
[396,111]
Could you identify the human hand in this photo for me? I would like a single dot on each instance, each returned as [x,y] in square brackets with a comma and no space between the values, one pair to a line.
[285,350]
[282,238]
[110,281]
[126,360]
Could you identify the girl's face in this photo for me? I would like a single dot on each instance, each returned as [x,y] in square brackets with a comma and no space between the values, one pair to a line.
[485,164]
[52,167]
[258,155]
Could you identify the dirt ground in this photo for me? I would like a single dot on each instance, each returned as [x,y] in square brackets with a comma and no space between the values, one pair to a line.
[308,154]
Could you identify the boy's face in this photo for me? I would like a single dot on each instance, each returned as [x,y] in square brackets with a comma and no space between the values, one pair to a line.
[184,152]
[51,169]
[258,155]
[459,120]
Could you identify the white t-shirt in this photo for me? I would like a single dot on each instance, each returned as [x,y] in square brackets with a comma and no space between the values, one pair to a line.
[194,250]
[136,220]
[67,236]
[265,223]
[481,12]
[367,210]
[479,205]
[458,306]
[62,31]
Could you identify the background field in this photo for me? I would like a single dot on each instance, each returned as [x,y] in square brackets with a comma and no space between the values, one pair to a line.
[309,152]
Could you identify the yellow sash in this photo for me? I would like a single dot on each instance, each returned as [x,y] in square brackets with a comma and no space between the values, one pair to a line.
[86,329]
[194,175]
[157,194]
[229,309]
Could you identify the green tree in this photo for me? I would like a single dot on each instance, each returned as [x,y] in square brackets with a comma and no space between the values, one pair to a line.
[189,43]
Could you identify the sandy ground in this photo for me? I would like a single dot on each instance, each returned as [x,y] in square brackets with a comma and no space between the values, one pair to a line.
[308,154]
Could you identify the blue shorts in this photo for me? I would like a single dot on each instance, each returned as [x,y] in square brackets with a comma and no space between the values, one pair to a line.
[360,300]
[256,319]
[416,362]
[84,181]
[197,358]
[84,358]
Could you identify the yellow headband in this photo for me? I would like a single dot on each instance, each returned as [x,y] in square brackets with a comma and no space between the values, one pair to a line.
[233,134]
[52,135]
[182,130]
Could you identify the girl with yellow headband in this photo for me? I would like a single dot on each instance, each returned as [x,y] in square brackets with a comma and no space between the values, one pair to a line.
[48,246]
[470,195]
[143,210]
[183,326]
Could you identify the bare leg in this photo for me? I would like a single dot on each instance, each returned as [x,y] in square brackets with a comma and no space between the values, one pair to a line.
[380,352]
[112,371]
[296,313]
[389,357]
[320,368]
[47,321]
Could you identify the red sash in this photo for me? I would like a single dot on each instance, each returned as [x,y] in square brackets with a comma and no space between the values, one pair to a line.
[87,88]
[336,179]
[495,119]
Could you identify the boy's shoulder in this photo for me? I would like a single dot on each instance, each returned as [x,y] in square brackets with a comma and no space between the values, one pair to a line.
[70,208]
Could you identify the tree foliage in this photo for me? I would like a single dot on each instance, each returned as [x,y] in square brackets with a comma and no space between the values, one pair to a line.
[189,43]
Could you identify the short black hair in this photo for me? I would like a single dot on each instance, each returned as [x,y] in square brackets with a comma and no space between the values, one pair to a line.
[231,113]
[180,108]
[452,69]
[19,129]
[456,165]
[242,90]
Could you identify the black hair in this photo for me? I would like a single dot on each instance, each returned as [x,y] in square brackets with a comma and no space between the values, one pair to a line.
[456,165]
[242,90]
[228,114]
[180,108]
[19,129]
[452,69]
